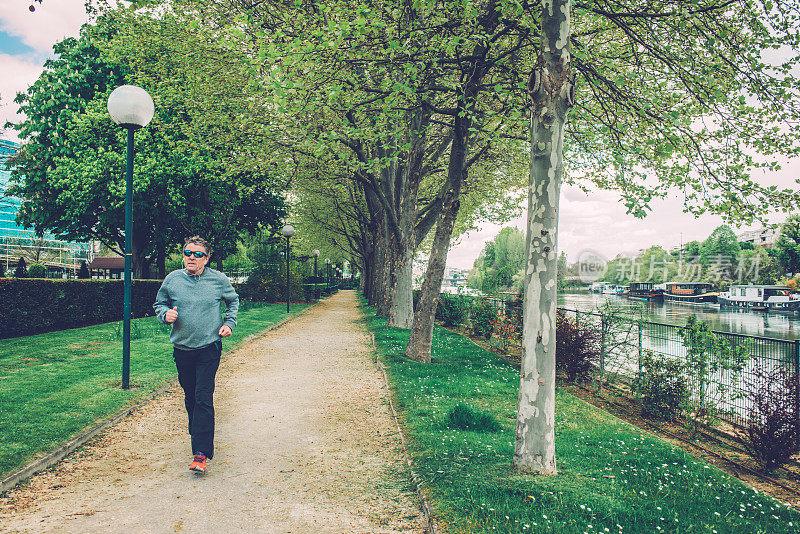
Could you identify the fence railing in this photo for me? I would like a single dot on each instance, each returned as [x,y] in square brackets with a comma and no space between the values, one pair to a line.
[624,344]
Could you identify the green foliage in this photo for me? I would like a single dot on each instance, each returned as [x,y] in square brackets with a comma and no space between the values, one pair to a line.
[499,263]
[37,270]
[482,317]
[69,169]
[267,280]
[625,479]
[692,249]
[720,260]
[661,386]
[452,310]
[21,270]
[36,306]
[83,272]
[578,348]
[505,333]
[788,245]
[771,431]
[466,417]
[719,254]
[713,368]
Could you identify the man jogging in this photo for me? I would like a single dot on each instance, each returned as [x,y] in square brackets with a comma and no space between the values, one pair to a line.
[189,300]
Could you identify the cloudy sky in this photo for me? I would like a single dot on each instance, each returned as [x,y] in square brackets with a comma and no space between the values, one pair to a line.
[595,222]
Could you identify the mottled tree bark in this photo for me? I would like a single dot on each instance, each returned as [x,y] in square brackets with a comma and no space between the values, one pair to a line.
[551,88]
[419,341]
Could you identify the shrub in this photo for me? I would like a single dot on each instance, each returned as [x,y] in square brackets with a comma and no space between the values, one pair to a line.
[714,364]
[2,271]
[514,312]
[505,333]
[577,348]
[37,270]
[661,386]
[452,310]
[21,270]
[466,417]
[35,306]
[349,283]
[83,272]
[771,429]
[267,281]
[481,318]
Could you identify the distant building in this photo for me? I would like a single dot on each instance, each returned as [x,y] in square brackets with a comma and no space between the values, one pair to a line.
[453,276]
[60,257]
[765,237]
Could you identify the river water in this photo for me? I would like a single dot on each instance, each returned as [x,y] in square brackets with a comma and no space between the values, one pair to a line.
[772,325]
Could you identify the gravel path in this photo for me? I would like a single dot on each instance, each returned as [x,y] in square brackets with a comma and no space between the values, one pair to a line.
[304,443]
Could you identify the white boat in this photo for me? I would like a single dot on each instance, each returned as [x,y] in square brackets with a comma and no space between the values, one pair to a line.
[757,297]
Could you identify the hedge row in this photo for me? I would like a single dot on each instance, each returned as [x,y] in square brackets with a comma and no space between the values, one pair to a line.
[35,306]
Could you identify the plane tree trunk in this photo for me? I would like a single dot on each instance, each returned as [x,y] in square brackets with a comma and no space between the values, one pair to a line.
[551,89]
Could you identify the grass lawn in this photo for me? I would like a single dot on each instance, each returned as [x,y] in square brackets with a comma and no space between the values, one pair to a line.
[611,477]
[54,385]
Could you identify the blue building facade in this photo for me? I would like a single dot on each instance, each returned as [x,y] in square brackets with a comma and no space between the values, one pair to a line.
[8,205]
[60,257]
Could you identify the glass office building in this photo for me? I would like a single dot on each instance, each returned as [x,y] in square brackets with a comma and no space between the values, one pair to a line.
[60,257]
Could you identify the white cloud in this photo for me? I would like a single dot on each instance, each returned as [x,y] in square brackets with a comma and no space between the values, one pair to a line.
[52,21]
[18,74]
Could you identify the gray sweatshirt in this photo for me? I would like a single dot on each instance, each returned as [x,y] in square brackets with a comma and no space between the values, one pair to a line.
[198,299]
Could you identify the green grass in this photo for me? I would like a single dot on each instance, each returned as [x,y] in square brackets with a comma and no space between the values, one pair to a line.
[52,386]
[611,477]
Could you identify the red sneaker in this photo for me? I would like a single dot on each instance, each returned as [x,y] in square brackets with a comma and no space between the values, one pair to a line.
[199,463]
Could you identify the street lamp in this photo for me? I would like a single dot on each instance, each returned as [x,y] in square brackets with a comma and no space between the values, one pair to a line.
[287,231]
[328,273]
[130,107]
[315,253]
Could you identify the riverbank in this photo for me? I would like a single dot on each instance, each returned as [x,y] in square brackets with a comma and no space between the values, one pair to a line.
[612,476]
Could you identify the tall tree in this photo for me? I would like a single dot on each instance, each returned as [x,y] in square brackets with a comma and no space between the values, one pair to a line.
[500,261]
[721,244]
[552,92]
[69,169]
[673,101]
[788,245]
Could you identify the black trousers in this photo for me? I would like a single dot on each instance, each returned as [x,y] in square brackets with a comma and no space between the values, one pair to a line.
[197,369]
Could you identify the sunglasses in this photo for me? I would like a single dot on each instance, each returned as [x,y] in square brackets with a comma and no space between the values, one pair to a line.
[195,253]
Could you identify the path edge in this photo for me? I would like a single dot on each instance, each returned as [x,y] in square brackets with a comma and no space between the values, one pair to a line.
[51,458]
[415,480]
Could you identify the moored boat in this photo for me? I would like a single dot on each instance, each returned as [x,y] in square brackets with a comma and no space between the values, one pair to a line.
[690,292]
[760,297]
[644,291]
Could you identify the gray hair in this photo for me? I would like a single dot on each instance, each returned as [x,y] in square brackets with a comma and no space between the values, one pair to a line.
[197,240]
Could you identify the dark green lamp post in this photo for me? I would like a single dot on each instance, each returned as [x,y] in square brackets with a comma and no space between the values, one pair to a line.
[287,232]
[315,253]
[328,273]
[132,108]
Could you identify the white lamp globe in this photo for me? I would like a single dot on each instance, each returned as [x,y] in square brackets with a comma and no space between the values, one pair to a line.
[288,230]
[327,260]
[130,106]
[315,253]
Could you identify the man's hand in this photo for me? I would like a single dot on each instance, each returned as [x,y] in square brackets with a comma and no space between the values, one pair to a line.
[172,315]
[225,331]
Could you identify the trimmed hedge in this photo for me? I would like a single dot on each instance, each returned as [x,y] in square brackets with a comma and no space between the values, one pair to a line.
[36,306]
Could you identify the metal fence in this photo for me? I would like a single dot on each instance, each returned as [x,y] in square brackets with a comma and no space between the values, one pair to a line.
[624,342]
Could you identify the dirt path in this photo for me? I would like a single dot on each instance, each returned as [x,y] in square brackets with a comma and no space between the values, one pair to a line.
[304,443]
